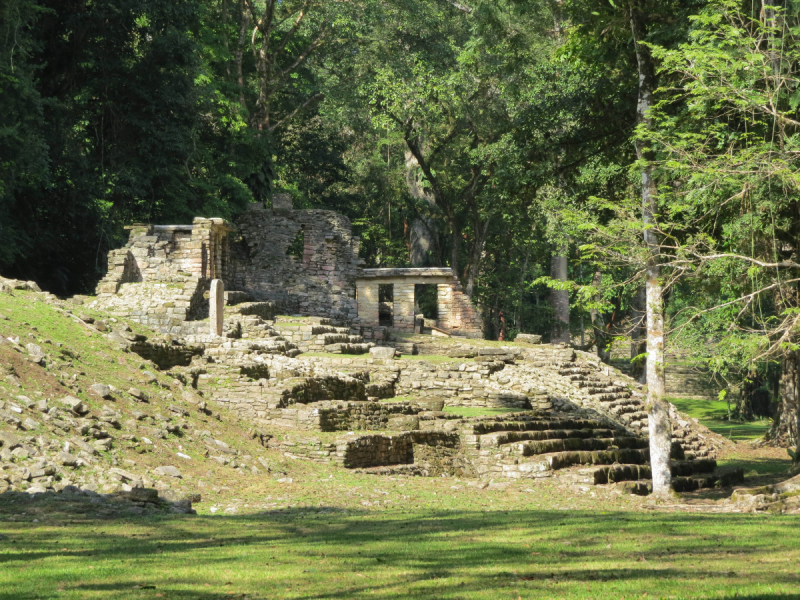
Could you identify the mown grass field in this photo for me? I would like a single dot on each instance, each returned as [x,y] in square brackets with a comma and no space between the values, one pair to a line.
[711,413]
[321,552]
[308,530]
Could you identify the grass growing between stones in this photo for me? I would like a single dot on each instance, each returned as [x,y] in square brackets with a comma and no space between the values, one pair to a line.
[435,358]
[326,552]
[711,413]
[477,411]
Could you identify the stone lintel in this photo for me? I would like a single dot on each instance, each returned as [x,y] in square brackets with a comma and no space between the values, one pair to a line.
[419,272]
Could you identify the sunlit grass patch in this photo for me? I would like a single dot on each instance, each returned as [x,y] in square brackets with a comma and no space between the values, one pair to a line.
[712,413]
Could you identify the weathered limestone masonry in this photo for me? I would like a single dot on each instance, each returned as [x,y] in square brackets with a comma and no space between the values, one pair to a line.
[576,411]
[321,283]
[456,313]
[160,276]
[302,261]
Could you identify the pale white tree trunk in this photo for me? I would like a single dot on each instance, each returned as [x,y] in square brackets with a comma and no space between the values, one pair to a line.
[659,424]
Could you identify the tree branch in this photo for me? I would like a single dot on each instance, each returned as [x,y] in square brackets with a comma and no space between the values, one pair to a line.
[317,96]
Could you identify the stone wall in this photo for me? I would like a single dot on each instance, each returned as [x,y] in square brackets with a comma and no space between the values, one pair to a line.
[436,451]
[159,278]
[321,283]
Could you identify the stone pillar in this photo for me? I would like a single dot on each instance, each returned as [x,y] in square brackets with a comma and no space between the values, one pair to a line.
[216,306]
[368,302]
[445,306]
[404,305]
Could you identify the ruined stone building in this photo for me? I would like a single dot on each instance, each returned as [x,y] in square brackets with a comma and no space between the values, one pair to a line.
[304,261]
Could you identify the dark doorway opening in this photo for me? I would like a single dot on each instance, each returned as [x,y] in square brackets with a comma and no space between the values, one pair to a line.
[426,300]
[386,304]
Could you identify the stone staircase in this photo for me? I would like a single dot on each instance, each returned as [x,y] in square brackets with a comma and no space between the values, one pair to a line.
[316,334]
[530,447]
[577,378]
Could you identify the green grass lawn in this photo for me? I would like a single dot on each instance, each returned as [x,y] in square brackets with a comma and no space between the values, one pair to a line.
[319,552]
[711,413]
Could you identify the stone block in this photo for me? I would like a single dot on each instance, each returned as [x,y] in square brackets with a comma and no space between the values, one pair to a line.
[382,352]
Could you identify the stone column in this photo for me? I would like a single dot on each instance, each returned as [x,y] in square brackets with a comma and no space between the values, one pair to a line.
[445,306]
[216,306]
[368,302]
[404,305]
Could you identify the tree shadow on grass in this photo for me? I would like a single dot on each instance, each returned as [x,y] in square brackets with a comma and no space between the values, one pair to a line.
[324,552]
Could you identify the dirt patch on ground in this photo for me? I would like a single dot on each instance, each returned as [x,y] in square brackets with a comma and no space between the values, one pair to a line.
[30,375]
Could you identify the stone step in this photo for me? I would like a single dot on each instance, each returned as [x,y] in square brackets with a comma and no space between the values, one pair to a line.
[495,440]
[401,469]
[574,370]
[335,338]
[624,402]
[617,473]
[561,460]
[348,348]
[609,389]
[533,448]
[625,409]
[613,397]
[264,310]
[234,297]
[489,426]
[326,329]
[725,479]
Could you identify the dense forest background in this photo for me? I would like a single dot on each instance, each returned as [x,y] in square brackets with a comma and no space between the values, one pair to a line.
[554,153]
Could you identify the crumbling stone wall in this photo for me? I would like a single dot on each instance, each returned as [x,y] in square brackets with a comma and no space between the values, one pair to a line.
[321,283]
[159,278]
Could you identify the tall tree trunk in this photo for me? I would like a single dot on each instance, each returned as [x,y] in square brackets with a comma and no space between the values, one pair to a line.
[559,299]
[659,424]
[475,259]
[599,326]
[786,426]
[455,241]
[423,248]
[238,55]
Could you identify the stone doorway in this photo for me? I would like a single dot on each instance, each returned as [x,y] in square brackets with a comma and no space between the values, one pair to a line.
[426,300]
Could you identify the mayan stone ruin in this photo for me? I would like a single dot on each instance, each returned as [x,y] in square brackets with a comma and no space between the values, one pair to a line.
[275,321]
[275,318]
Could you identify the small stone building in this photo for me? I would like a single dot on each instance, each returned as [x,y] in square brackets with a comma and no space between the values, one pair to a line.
[455,312]
[305,261]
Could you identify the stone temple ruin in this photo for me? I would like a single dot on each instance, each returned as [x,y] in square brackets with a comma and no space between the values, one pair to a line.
[161,276]
[333,362]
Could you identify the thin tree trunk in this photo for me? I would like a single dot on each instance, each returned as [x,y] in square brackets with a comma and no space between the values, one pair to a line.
[559,299]
[599,326]
[455,240]
[239,53]
[659,424]
[785,428]
[475,260]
